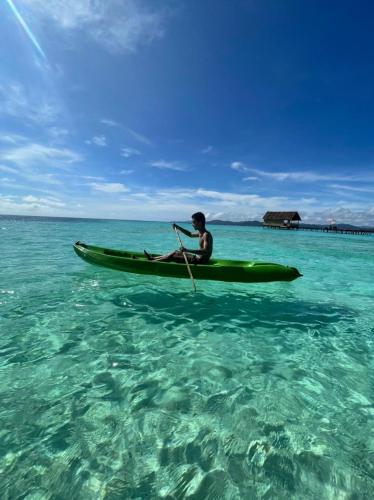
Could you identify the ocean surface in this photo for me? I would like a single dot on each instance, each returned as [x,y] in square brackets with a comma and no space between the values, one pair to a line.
[116,386]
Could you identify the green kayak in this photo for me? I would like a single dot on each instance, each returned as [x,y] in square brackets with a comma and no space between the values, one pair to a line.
[218,269]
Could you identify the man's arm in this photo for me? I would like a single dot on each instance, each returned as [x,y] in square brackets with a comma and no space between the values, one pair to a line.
[200,251]
[185,231]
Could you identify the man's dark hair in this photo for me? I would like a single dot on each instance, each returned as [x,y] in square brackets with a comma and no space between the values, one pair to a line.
[199,217]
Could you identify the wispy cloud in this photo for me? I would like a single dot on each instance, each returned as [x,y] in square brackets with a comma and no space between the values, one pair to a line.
[201,196]
[298,176]
[34,181]
[127,172]
[12,138]
[58,134]
[9,170]
[39,155]
[29,204]
[127,152]
[239,167]
[98,140]
[110,123]
[169,165]
[250,199]
[47,201]
[157,204]
[341,215]
[207,150]
[141,138]
[35,108]
[354,189]
[118,26]
[109,187]
[91,177]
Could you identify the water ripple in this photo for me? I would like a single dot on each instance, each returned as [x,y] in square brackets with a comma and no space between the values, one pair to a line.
[118,386]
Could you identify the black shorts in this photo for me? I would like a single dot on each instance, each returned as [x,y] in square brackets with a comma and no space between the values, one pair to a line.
[196,259]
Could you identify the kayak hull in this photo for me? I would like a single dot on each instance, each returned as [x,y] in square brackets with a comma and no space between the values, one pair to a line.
[217,269]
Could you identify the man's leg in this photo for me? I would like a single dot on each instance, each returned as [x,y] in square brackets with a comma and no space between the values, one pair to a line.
[161,258]
[175,256]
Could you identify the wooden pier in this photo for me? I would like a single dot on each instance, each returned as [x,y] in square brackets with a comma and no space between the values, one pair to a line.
[323,229]
[291,221]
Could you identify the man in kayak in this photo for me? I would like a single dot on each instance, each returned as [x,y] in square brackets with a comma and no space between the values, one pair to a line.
[199,256]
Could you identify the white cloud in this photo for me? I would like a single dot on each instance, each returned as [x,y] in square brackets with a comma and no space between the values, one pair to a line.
[238,198]
[240,167]
[35,108]
[36,187]
[155,204]
[342,215]
[44,178]
[29,204]
[127,152]
[9,170]
[109,187]
[250,178]
[91,177]
[300,176]
[207,150]
[128,131]
[169,165]
[212,196]
[39,155]
[172,193]
[12,138]
[239,206]
[110,123]
[294,176]
[48,202]
[58,133]
[127,172]
[354,189]
[139,137]
[117,25]
[98,140]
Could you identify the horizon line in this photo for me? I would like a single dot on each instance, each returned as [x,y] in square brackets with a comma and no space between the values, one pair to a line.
[163,221]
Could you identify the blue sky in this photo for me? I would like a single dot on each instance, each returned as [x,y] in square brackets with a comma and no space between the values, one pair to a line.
[156,109]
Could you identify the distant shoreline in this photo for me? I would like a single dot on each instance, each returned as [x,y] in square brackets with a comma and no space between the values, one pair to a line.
[59,218]
[215,222]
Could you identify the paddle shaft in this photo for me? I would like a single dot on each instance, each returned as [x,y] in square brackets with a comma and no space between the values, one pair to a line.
[186,260]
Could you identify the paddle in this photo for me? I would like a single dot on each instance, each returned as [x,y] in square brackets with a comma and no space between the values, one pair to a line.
[186,260]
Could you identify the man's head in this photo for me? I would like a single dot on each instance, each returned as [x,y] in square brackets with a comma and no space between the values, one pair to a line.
[198,220]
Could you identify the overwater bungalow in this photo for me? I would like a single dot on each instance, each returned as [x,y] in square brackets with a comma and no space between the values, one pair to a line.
[287,220]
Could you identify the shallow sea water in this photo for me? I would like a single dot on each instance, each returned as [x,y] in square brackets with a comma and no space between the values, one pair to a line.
[122,386]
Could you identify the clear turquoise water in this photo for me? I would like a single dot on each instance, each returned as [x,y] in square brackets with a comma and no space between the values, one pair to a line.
[122,386]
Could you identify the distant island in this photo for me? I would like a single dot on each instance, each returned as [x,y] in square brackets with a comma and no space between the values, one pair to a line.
[218,222]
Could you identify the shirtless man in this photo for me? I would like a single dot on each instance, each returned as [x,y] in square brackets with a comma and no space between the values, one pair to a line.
[200,256]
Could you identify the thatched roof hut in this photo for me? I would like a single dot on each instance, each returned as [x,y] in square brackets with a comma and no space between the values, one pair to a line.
[281,218]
